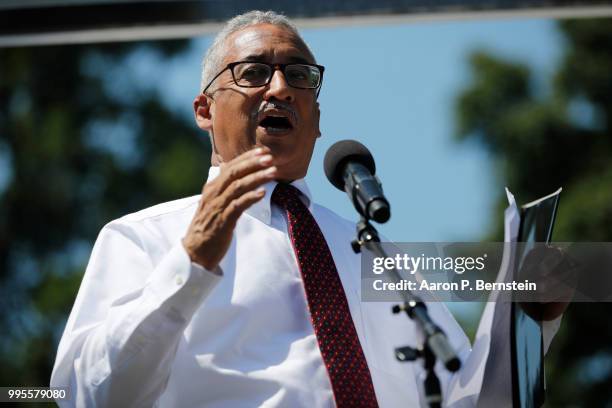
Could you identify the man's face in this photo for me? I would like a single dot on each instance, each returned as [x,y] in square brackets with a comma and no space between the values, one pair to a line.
[239,118]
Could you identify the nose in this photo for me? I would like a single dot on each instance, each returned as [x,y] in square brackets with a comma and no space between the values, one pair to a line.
[279,88]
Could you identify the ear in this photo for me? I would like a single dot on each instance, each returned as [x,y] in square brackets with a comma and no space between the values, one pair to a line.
[202,112]
[317,119]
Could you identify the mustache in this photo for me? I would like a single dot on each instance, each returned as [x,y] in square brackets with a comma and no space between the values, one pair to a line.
[278,106]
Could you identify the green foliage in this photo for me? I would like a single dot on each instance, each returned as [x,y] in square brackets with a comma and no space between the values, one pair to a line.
[83,140]
[543,142]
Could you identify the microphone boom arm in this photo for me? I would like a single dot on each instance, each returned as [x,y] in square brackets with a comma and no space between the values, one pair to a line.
[436,344]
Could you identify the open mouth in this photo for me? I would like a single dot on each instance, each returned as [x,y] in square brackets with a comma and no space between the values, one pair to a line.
[276,124]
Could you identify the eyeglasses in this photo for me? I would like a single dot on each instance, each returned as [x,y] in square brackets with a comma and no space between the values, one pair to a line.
[249,74]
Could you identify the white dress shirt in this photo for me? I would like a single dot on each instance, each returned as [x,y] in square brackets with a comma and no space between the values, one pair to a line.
[150,328]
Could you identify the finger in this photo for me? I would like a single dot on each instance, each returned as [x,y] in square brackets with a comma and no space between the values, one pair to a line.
[247,161]
[240,204]
[247,183]
[241,167]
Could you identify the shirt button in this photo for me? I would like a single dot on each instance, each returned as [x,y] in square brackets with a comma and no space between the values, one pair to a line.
[179,280]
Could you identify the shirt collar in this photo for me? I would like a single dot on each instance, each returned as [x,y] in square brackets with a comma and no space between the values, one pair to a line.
[262,208]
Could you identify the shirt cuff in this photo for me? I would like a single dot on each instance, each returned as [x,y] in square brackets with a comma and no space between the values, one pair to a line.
[200,269]
[179,285]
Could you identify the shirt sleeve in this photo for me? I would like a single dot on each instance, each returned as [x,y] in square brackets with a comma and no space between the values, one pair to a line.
[122,334]
[549,331]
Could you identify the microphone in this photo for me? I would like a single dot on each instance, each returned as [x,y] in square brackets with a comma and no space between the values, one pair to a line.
[350,167]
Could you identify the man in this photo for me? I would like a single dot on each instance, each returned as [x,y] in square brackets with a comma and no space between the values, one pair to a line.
[219,300]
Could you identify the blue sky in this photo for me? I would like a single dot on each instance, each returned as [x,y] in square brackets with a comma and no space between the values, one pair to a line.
[393,88]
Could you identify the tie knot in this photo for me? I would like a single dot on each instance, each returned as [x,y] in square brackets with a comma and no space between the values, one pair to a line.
[285,195]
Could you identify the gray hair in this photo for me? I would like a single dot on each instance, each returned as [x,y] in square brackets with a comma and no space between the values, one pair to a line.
[213,60]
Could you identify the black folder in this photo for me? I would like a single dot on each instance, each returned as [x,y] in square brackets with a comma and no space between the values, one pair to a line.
[514,371]
[536,225]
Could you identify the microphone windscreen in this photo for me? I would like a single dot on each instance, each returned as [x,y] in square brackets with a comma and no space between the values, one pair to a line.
[342,152]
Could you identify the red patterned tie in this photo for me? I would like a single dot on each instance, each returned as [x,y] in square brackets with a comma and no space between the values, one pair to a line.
[329,311]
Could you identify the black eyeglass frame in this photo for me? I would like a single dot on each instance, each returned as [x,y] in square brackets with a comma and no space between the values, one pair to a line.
[282,68]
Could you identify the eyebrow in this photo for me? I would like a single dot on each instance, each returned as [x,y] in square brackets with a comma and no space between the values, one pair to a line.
[263,58]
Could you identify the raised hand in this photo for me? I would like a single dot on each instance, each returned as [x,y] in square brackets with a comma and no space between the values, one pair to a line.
[238,186]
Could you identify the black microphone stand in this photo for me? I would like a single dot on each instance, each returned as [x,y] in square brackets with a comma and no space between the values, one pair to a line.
[435,345]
